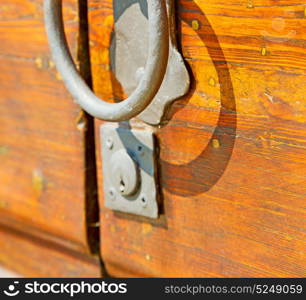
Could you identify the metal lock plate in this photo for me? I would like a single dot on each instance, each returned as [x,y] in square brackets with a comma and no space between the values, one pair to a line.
[129,170]
[129,50]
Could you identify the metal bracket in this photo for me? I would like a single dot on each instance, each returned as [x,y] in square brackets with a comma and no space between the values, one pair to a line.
[129,50]
[129,170]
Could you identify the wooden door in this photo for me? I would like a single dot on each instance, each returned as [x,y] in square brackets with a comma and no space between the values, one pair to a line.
[232,158]
[47,176]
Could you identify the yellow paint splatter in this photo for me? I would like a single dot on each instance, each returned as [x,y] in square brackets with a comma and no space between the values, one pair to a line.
[146,228]
[250,4]
[216,143]
[51,64]
[39,62]
[38,182]
[195,25]
[58,76]
[81,121]
[263,51]
[148,257]
[212,81]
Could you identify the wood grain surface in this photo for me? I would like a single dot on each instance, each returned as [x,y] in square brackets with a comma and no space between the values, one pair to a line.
[232,157]
[31,252]
[43,169]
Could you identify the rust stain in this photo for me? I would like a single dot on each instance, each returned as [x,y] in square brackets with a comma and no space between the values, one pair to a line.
[42,63]
[39,62]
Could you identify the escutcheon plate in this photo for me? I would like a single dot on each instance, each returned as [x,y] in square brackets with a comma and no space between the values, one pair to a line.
[140,146]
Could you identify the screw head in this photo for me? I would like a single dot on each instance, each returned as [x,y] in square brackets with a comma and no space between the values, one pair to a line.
[140,150]
[122,186]
[144,201]
[112,194]
[109,143]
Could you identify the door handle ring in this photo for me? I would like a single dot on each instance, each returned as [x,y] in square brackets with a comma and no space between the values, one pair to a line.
[149,84]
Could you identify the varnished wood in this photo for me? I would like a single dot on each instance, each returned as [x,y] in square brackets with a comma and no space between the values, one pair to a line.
[5,273]
[43,175]
[31,255]
[232,159]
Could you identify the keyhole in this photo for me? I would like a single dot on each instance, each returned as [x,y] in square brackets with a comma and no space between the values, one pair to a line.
[124,173]
[122,185]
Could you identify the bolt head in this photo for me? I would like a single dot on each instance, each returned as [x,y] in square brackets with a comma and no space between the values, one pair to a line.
[109,143]
[140,150]
[144,201]
[112,194]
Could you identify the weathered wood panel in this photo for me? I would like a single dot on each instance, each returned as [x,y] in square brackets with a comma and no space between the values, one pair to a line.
[31,255]
[233,159]
[42,142]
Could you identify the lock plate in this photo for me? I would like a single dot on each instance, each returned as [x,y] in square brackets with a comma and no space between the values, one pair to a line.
[128,56]
[129,170]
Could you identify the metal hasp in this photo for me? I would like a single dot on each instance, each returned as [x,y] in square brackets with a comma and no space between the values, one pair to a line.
[149,82]
[129,53]
[129,170]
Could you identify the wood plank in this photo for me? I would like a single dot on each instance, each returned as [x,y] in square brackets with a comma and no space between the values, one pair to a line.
[232,158]
[43,170]
[25,255]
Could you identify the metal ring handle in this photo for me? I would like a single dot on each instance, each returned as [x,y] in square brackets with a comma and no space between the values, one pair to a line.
[149,84]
